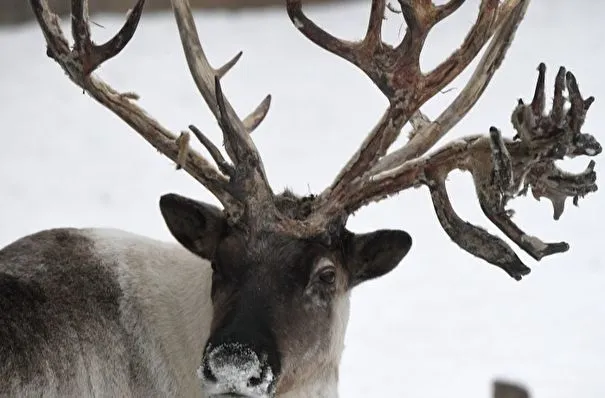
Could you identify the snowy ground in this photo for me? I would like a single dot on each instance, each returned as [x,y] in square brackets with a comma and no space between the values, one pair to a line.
[442,324]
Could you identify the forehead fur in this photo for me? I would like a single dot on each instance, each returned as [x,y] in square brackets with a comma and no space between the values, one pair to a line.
[271,247]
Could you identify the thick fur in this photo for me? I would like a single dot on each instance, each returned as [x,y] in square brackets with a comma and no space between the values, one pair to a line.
[107,313]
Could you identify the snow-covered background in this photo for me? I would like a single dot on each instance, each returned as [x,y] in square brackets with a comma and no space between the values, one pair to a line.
[443,323]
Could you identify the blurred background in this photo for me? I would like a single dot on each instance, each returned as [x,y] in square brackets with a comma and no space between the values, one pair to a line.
[443,324]
[18,11]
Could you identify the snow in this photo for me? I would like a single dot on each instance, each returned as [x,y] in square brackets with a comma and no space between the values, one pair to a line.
[443,323]
[234,376]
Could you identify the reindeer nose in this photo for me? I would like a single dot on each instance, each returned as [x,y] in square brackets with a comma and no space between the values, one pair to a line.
[235,368]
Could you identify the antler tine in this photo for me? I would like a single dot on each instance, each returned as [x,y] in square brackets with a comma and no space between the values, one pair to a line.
[80,30]
[238,143]
[558,100]
[447,9]
[539,101]
[86,57]
[223,70]
[218,158]
[94,55]
[420,16]
[320,37]
[374,33]
[254,119]
[471,238]
[475,40]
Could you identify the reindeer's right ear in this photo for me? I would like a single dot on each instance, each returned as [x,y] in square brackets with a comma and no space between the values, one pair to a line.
[197,226]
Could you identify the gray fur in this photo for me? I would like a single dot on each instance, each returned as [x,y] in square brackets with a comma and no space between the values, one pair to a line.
[72,323]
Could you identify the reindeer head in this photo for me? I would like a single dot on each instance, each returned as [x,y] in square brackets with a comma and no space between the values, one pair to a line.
[280,300]
[283,265]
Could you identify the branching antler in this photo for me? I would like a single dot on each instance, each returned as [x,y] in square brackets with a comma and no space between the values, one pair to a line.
[396,70]
[85,57]
[234,185]
[501,168]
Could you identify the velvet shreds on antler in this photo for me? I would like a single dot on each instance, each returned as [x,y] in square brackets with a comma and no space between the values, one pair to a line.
[529,163]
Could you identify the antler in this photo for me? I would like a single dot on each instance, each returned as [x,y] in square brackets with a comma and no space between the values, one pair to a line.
[396,72]
[501,168]
[247,179]
[239,186]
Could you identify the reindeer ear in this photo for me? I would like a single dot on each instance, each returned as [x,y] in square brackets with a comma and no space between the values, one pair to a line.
[375,254]
[197,226]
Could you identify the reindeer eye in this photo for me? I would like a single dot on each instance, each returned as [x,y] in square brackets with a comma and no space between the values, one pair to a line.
[328,276]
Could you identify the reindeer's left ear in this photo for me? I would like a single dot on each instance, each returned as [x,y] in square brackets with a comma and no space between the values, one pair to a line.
[375,254]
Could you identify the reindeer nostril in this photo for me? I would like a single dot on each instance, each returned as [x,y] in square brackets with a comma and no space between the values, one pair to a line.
[264,377]
[208,375]
[254,381]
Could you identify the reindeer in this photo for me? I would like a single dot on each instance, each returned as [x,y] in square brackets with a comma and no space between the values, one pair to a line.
[253,301]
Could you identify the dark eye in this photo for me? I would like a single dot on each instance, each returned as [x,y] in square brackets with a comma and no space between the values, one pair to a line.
[216,272]
[328,275]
